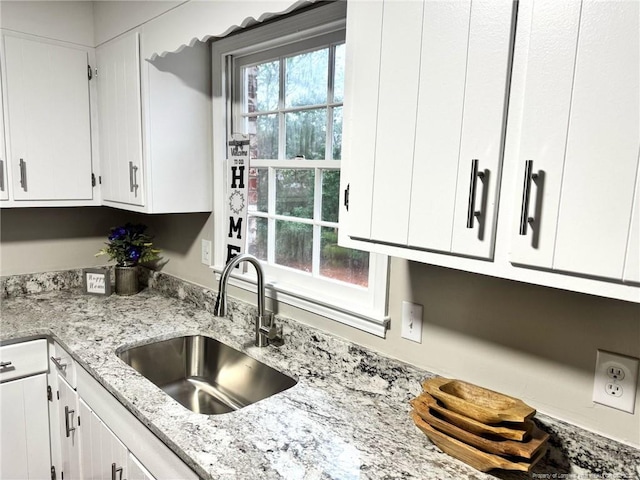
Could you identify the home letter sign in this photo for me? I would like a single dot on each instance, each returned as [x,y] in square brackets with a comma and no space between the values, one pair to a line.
[237,189]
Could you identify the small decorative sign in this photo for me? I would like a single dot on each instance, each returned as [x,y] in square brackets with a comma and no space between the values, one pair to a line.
[237,193]
[96,281]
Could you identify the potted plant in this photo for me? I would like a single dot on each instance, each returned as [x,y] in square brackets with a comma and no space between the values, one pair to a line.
[129,245]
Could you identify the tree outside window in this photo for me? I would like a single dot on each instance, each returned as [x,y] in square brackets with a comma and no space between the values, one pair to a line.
[292,106]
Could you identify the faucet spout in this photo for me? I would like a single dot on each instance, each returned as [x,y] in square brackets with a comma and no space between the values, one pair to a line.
[264,328]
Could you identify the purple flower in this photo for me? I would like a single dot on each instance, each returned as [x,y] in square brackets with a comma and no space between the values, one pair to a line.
[133,253]
[117,233]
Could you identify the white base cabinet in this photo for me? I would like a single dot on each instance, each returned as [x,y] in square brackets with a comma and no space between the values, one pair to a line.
[112,420]
[94,437]
[24,427]
[69,431]
[24,417]
[50,429]
[104,456]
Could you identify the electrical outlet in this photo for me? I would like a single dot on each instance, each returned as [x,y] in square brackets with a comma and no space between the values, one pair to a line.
[613,389]
[206,252]
[616,380]
[616,373]
[411,322]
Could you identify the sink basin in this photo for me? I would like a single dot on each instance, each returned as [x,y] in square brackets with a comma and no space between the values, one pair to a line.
[205,375]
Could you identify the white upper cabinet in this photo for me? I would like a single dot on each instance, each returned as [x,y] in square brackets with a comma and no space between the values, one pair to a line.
[48,120]
[496,141]
[4,183]
[155,127]
[424,122]
[579,140]
[120,120]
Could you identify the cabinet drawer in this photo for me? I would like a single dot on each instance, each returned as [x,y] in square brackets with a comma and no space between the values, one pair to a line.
[23,359]
[62,362]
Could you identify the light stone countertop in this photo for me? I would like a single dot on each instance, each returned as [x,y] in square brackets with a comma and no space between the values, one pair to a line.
[347,417]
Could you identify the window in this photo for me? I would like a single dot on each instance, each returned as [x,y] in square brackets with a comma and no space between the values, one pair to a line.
[287,92]
[291,104]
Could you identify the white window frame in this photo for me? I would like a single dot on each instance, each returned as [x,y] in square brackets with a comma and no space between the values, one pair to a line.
[360,307]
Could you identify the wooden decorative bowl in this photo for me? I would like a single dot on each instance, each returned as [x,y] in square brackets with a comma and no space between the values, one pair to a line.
[528,449]
[479,403]
[472,456]
[510,431]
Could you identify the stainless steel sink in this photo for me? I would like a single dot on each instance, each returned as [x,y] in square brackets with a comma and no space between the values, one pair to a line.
[205,375]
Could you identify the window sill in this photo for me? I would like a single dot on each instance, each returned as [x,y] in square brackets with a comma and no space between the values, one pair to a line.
[367,321]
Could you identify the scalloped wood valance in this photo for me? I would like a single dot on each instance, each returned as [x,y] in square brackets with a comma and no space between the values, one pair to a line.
[200,20]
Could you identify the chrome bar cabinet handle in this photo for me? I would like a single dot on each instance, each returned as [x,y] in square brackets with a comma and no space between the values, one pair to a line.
[525,219]
[5,364]
[2,175]
[60,366]
[23,174]
[471,209]
[67,414]
[133,181]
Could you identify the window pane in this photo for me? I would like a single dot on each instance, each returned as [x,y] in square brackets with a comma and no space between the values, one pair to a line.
[294,192]
[294,245]
[262,87]
[330,195]
[337,133]
[258,189]
[257,230]
[306,134]
[306,79]
[338,79]
[264,136]
[339,263]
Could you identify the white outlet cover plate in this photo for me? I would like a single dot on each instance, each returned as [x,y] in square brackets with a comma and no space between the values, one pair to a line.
[411,322]
[206,252]
[629,382]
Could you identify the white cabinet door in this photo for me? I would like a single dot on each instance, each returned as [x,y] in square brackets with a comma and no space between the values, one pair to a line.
[483,126]
[580,135]
[434,108]
[632,263]
[48,120]
[397,105]
[24,429]
[364,34]
[69,432]
[4,180]
[120,119]
[104,456]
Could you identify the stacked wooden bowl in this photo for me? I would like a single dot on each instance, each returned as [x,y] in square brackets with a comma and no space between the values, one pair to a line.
[483,428]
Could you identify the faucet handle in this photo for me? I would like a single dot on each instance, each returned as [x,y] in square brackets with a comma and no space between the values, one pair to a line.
[273,332]
[269,329]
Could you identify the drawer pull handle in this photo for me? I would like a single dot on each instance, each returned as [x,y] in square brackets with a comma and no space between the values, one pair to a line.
[115,471]
[471,209]
[133,177]
[525,219]
[23,174]
[67,414]
[5,364]
[60,366]
[2,175]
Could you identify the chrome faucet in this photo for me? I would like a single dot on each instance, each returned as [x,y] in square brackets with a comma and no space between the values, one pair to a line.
[266,329]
